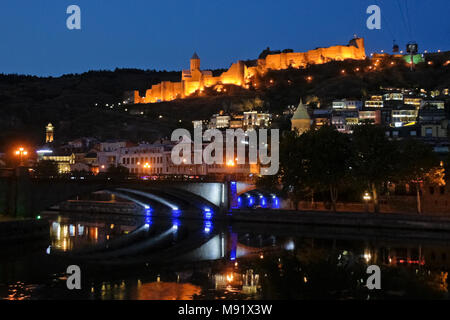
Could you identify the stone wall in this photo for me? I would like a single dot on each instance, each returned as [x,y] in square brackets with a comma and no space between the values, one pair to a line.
[239,73]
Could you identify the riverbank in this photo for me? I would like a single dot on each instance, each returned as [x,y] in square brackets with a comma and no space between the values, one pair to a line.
[19,231]
[347,219]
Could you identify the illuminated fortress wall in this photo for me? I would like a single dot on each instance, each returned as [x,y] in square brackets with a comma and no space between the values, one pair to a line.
[239,74]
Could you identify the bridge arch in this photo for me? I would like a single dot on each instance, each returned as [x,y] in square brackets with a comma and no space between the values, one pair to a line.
[32,196]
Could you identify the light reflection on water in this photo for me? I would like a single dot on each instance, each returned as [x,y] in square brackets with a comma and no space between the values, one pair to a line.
[19,291]
[252,262]
[67,236]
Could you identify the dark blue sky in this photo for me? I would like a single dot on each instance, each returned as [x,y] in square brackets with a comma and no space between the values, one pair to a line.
[163,34]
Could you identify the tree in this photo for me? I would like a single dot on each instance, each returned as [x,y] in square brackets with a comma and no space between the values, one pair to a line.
[268,182]
[46,169]
[291,172]
[327,161]
[119,171]
[317,160]
[374,158]
[417,163]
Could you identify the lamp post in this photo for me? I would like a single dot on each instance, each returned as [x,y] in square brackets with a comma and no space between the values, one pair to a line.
[366,198]
[21,153]
[147,166]
[231,164]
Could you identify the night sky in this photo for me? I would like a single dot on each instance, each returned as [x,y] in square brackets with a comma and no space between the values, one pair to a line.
[163,35]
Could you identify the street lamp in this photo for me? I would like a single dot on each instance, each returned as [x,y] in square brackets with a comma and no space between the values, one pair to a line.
[147,166]
[366,198]
[230,163]
[21,153]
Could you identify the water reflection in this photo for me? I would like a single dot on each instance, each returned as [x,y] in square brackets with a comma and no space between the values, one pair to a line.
[168,291]
[149,257]
[67,236]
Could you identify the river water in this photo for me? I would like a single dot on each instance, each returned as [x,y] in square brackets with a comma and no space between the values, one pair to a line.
[168,257]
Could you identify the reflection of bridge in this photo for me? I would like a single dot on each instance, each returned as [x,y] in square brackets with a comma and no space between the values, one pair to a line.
[23,196]
[156,241]
[168,240]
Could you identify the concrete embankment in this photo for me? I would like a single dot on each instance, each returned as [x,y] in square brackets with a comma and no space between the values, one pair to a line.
[340,219]
[101,207]
[19,231]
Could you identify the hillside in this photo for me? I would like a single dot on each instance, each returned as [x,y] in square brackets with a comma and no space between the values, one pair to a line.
[27,103]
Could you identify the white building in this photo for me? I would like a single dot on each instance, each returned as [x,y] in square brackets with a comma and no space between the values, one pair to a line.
[218,121]
[253,119]
[347,104]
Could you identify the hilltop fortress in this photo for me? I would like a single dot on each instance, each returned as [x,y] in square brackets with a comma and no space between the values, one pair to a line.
[241,73]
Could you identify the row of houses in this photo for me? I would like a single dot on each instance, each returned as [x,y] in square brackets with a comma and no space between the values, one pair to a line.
[247,120]
[145,160]
[401,113]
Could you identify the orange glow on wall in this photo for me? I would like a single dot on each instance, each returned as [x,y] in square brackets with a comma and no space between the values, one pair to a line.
[239,73]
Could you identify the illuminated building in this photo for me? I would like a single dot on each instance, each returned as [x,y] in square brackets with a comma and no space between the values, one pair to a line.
[253,119]
[198,124]
[403,116]
[321,117]
[301,119]
[347,104]
[64,161]
[155,160]
[108,153]
[393,96]
[219,121]
[145,159]
[434,130]
[416,102]
[236,123]
[241,74]
[345,119]
[433,103]
[247,121]
[433,122]
[374,116]
[49,133]
[374,102]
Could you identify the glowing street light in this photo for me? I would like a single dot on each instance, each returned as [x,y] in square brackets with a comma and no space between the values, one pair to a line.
[230,163]
[366,198]
[146,167]
[21,153]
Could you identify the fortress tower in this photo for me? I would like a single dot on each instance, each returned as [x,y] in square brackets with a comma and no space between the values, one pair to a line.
[195,62]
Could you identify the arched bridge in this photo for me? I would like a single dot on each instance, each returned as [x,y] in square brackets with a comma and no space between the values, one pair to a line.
[22,196]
